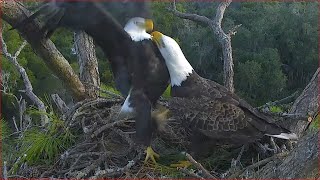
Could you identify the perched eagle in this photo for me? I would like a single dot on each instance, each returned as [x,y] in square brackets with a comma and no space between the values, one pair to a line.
[138,67]
[208,110]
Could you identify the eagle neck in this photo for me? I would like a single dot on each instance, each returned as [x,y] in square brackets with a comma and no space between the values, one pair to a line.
[178,66]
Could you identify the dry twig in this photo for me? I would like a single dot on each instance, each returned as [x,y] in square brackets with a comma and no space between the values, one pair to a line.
[200,167]
[257,164]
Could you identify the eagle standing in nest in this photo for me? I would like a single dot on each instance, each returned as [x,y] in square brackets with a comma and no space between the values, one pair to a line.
[208,111]
[138,67]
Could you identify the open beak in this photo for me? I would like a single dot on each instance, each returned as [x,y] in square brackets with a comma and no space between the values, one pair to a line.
[148,25]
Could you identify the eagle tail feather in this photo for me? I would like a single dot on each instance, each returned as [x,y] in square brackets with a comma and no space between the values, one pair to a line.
[291,136]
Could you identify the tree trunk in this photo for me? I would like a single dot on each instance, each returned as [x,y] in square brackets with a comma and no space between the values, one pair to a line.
[225,41]
[306,104]
[89,74]
[303,161]
[13,13]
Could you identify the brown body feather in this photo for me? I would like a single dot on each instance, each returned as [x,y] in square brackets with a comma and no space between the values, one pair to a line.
[211,115]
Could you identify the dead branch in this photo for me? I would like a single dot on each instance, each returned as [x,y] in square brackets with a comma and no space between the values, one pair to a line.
[200,167]
[117,171]
[14,12]
[192,17]
[62,107]
[106,126]
[28,87]
[190,173]
[223,38]
[233,31]
[257,164]
[285,100]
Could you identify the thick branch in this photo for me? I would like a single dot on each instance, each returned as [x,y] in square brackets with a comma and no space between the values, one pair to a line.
[192,17]
[88,62]
[13,13]
[29,90]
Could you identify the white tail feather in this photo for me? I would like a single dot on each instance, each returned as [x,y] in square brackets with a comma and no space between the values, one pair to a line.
[284,136]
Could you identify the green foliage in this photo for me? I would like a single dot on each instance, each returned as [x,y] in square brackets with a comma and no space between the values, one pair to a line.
[274,51]
[106,75]
[7,141]
[42,146]
[63,39]
[109,89]
[261,79]
[165,21]
[275,109]
[42,79]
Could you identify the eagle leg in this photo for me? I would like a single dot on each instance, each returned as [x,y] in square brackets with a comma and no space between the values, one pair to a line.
[151,155]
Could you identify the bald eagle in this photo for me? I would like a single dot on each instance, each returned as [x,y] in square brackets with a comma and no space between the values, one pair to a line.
[208,109]
[138,67]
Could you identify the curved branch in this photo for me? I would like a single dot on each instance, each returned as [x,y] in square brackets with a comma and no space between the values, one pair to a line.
[220,12]
[192,17]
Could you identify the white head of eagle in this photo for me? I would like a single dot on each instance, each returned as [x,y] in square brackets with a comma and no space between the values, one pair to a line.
[137,28]
[178,66]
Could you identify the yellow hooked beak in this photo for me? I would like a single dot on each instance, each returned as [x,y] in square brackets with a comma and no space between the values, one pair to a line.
[148,25]
[156,37]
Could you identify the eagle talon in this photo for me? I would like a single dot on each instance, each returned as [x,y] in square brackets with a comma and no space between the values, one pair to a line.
[181,164]
[151,155]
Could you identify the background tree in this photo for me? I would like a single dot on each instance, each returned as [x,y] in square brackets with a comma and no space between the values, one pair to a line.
[274,51]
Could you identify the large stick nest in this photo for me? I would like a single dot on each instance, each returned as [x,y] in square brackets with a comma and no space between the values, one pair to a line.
[106,147]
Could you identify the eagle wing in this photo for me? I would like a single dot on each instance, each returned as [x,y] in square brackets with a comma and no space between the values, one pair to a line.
[95,19]
[129,61]
[221,120]
[208,115]
[219,92]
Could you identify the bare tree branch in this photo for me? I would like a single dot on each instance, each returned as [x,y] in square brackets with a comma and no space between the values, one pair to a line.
[63,108]
[224,39]
[257,164]
[281,101]
[14,12]
[28,87]
[189,173]
[200,167]
[192,17]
